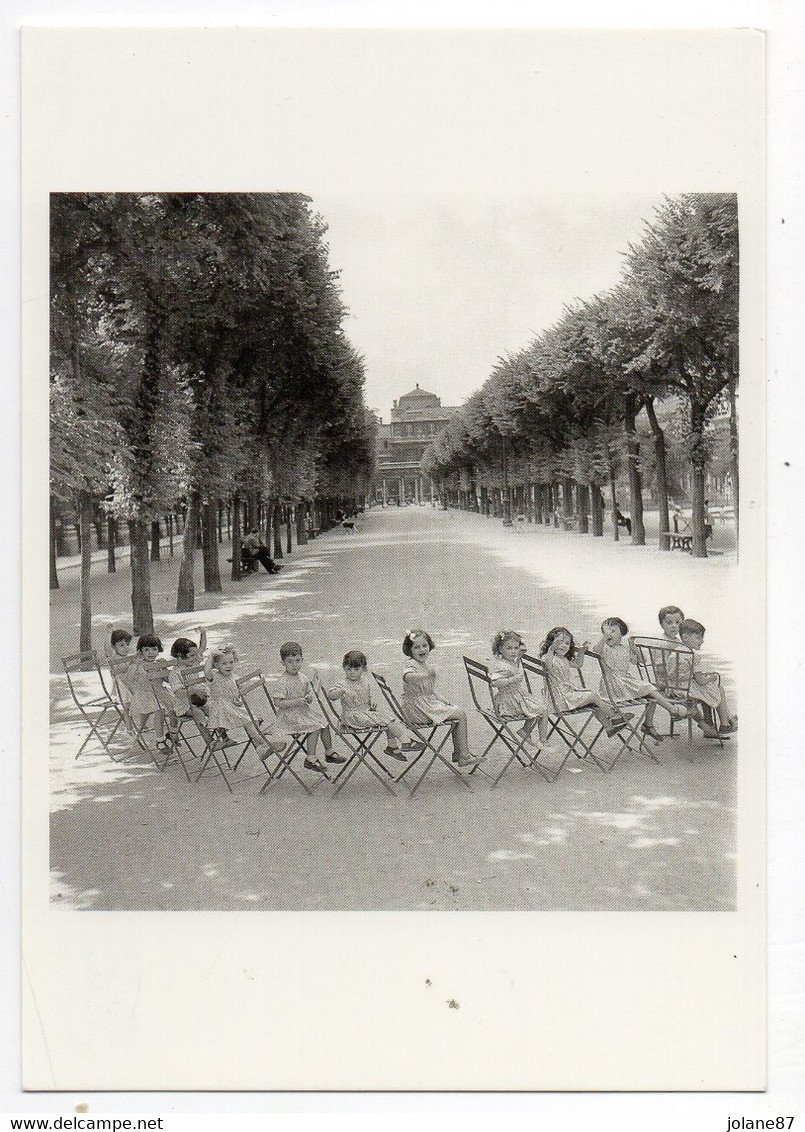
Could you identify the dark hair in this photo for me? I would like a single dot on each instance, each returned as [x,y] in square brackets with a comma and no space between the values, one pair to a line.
[290,648]
[690,626]
[408,640]
[624,628]
[668,609]
[500,639]
[182,646]
[551,637]
[149,641]
[354,659]
[119,635]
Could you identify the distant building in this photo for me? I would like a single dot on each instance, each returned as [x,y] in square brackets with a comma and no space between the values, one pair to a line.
[416,418]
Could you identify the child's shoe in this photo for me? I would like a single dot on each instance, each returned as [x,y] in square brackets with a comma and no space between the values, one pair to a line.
[615,725]
[465,762]
[653,733]
[396,753]
[412,746]
[334,757]
[315,765]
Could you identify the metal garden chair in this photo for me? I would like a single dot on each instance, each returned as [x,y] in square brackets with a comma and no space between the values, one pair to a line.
[668,666]
[257,699]
[432,736]
[577,728]
[360,743]
[480,683]
[631,738]
[101,713]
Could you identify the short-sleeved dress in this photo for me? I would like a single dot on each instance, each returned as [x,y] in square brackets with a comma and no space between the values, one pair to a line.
[302,720]
[420,704]
[359,709]
[624,678]
[509,695]
[560,673]
[225,702]
[147,697]
[118,667]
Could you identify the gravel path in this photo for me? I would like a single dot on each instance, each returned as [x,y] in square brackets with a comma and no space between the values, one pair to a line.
[644,837]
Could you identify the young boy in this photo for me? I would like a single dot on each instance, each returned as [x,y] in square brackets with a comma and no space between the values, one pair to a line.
[706,687]
[670,618]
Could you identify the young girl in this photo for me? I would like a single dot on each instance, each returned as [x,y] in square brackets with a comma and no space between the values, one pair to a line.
[560,655]
[619,658]
[510,699]
[706,688]
[421,705]
[187,655]
[148,695]
[359,707]
[226,705]
[298,711]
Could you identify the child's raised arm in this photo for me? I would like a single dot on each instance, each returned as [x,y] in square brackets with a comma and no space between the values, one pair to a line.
[599,644]
[581,652]
[208,668]
[202,640]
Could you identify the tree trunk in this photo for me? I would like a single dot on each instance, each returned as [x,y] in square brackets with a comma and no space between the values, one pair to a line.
[635,484]
[276,515]
[597,509]
[612,494]
[186,592]
[141,611]
[236,536]
[54,574]
[220,522]
[111,542]
[301,524]
[169,524]
[662,475]
[698,464]
[212,569]
[85,523]
[289,528]
[155,540]
[582,497]
[734,451]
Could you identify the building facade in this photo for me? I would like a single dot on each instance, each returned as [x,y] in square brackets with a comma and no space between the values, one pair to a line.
[416,418]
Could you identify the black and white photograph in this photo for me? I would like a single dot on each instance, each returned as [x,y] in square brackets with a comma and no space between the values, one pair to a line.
[360,612]
[394,430]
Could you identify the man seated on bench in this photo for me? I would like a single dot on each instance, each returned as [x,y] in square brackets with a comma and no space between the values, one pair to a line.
[623,521]
[253,547]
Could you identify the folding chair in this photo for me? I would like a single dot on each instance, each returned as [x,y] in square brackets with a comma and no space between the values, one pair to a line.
[158,678]
[257,698]
[578,728]
[631,733]
[217,756]
[99,712]
[359,742]
[480,683]
[668,666]
[432,736]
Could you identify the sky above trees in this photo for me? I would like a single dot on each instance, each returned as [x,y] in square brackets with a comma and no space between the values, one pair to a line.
[438,288]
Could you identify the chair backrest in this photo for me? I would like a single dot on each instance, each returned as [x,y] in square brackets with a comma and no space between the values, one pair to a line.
[606,676]
[250,682]
[534,666]
[328,706]
[388,694]
[83,662]
[193,677]
[665,664]
[478,677]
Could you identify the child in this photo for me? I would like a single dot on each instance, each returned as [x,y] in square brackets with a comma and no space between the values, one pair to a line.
[706,687]
[420,704]
[619,658]
[508,696]
[226,705]
[187,655]
[298,711]
[670,618]
[116,647]
[359,707]
[560,654]
[148,695]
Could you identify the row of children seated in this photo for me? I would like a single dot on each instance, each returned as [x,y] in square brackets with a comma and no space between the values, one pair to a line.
[216,702]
